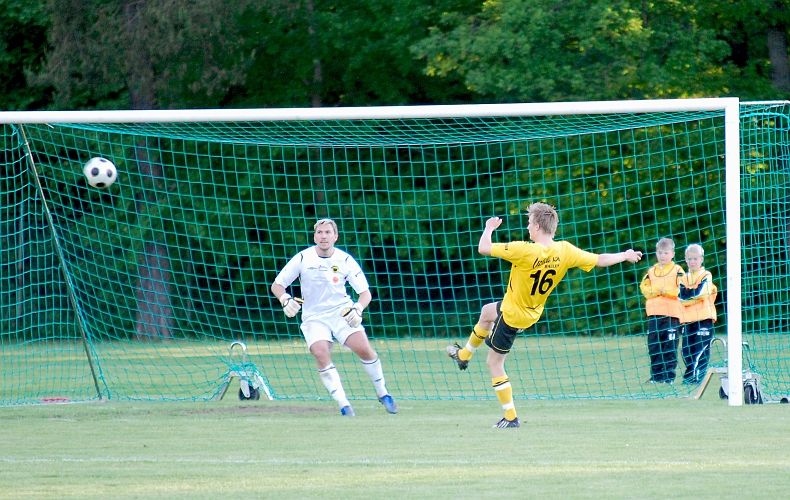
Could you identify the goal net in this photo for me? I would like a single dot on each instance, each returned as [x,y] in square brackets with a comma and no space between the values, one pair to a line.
[136,292]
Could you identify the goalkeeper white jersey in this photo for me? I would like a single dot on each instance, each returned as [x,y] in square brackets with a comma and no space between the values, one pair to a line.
[323,280]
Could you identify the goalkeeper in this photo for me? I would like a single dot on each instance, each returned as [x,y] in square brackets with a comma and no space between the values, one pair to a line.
[537,269]
[697,296]
[329,313]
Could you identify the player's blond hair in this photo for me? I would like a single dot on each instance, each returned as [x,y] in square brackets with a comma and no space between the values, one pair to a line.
[665,244]
[695,249]
[325,221]
[545,216]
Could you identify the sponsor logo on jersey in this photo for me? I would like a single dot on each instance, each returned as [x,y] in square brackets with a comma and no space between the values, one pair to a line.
[544,262]
[318,268]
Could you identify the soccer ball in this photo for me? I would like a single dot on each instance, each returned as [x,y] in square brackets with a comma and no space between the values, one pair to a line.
[100,172]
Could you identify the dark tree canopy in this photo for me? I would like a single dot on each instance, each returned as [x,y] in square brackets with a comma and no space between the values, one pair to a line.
[119,54]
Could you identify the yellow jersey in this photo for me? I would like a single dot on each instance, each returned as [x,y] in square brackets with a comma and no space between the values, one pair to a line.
[661,287]
[535,274]
[698,296]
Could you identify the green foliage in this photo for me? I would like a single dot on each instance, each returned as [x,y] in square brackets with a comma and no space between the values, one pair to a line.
[23,46]
[186,54]
[90,54]
[359,49]
[744,25]
[230,215]
[525,51]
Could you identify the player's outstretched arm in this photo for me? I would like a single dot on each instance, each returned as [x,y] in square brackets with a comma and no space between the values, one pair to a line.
[484,247]
[609,259]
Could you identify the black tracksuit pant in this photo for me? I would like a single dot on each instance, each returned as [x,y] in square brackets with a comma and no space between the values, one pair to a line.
[662,345]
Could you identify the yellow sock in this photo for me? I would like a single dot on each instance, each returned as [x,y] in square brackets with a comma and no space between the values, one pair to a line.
[504,394]
[475,339]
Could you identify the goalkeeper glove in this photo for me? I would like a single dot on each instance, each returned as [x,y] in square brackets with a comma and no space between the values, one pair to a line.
[291,306]
[353,315]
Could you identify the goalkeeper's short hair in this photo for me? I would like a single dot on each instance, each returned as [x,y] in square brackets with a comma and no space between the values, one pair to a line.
[326,221]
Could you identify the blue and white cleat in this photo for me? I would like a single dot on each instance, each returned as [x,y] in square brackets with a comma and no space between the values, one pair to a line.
[389,404]
[505,423]
[347,411]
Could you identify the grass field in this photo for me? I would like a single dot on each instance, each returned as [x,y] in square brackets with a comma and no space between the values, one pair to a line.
[570,449]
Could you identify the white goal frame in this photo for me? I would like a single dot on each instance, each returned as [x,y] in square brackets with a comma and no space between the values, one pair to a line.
[730,106]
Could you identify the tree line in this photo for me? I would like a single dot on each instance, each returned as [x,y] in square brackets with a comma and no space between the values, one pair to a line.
[147,54]
[92,54]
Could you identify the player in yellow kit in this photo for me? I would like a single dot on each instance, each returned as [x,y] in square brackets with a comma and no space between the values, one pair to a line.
[536,270]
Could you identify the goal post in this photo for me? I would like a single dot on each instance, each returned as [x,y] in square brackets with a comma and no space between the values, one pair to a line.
[732,158]
[172,264]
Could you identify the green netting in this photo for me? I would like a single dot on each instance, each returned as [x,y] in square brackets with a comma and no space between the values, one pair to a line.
[405,132]
[174,261]
[765,226]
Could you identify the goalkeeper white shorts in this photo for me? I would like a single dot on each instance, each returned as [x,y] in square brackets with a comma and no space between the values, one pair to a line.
[327,327]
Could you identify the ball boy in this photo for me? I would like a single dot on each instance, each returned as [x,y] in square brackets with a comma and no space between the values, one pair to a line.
[697,295]
[661,287]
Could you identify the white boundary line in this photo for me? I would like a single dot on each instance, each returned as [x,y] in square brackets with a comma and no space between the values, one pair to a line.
[705,463]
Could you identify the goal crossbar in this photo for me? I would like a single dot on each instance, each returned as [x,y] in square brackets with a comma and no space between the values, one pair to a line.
[369,113]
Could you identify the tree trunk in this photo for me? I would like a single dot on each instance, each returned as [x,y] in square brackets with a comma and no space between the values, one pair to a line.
[154,317]
[316,168]
[777,54]
[154,310]
[22,264]
[318,75]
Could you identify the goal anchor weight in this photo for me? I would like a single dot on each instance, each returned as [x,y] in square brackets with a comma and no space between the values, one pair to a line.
[251,380]
[752,389]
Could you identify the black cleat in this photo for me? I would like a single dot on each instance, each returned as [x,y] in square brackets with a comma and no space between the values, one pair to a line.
[452,351]
[507,423]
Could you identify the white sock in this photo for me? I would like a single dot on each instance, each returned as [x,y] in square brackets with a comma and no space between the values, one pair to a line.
[331,380]
[373,368]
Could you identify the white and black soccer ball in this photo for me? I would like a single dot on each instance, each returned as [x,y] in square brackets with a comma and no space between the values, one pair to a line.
[100,172]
